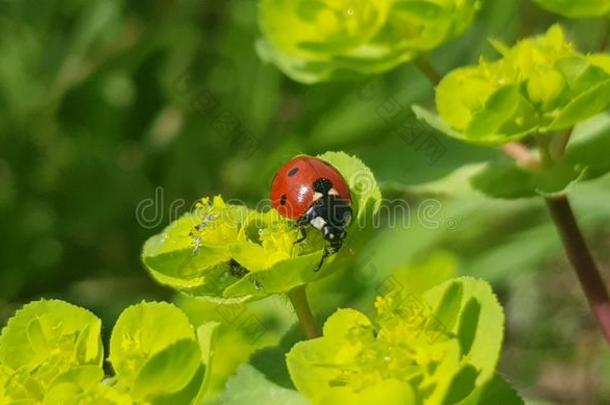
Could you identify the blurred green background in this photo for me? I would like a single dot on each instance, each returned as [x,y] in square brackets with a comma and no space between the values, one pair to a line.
[116,116]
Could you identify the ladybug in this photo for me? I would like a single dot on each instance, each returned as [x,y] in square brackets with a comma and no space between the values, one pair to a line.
[314,193]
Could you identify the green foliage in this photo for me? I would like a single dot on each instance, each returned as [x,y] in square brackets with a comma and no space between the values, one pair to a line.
[495,391]
[585,160]
[325,40]
[250,386]
[577,9]
[435,348]
[51,353]
[174,95]
[46,339]
[541,85]
[231,254]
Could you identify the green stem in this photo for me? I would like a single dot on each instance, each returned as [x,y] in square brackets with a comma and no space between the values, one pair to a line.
[562,143]
[544,146]
[424,65]
[582,261]
[298,298]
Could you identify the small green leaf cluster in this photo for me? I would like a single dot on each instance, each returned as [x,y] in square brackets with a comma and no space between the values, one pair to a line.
[577,9]
[585,159]
[51,353]
[230,253]
[440,347]
[541,85]
[313,41]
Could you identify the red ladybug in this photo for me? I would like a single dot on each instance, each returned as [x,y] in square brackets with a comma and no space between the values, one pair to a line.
[312,192]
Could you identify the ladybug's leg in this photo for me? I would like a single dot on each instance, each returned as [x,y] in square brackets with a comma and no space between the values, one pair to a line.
[304,222]
[303,231]
[328,251]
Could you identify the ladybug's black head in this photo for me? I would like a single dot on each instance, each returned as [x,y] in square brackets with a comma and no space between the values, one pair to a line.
[332,215]
[322,186]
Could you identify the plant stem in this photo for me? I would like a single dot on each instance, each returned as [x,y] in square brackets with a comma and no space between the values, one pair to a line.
[573,241]
[582,261]
[562,144]
[544,146]
[521,154]
[424,65]
[298,298]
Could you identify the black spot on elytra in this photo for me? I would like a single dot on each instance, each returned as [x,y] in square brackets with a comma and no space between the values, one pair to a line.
[283,199]
[293,171]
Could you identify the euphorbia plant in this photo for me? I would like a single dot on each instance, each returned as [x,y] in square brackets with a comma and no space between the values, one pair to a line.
[314,41]
[51,353]
[441,347]
[541,89]
[231,254]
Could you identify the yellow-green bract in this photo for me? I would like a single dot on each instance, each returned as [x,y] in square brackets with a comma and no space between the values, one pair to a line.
[314,41]
[577,8]
[229,253]
[51,353]
[441,347]
[541,85]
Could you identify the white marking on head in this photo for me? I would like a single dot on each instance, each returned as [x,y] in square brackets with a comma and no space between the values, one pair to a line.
[318,223]
[317,196]
[332,191]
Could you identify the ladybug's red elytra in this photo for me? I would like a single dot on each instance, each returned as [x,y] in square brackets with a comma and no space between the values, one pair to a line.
[314,193]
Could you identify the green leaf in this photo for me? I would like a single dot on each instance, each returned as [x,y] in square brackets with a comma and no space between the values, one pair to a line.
[280,278]
[49,337]
[84,385]
[361,182]
[17,386]
[591,102]
[505,179]
[69,393]
[167,371]
[195,244]
[462,93]
[141,332]
[83,376]
[206,337]
[495,391]
[589,147]
[196,390]
[480,323]
[499,107]
[250,386]
[437,123]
